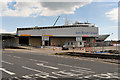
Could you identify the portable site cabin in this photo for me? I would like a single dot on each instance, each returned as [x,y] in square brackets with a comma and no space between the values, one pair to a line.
[77,44]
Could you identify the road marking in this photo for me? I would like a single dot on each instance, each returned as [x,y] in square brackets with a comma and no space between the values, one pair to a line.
[38,75]
[7,62]
[74,66]
[33,69]
[38,60]
[59,74]
[68,73]
[8,55]
[51,67]
[45,76]
[8,72]
[16,57]
[102,76]
[65,74]
[26,76]
[65,65]
[82,71]
[41,73]
[33,60]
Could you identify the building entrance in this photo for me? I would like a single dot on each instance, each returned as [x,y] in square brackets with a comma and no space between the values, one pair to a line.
[46,43]
[24,40]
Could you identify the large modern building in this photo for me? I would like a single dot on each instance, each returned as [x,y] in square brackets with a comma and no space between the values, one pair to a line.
[58,35]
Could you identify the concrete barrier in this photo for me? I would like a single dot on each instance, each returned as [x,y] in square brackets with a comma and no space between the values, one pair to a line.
[94,55]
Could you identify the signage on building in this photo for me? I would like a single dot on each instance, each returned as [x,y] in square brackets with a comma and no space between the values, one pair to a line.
[83,32]
[45,38]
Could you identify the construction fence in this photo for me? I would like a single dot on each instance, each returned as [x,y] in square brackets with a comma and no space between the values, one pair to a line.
[102,46]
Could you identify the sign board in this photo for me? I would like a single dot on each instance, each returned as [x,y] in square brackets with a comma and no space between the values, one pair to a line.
[45,38]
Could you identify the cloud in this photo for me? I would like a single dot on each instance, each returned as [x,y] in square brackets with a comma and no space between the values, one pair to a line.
[113,31]
[58,8]
[5,31]
[2,30]
[113,14]
[33,9]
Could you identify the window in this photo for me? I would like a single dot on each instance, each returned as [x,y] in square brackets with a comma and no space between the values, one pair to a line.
[80,43]
[68,43]
[71,43]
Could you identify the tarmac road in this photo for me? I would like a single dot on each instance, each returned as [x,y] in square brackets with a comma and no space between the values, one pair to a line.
[31,65]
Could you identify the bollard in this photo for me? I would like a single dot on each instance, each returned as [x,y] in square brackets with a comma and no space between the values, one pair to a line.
[73,47]
[53,49]
[73,50]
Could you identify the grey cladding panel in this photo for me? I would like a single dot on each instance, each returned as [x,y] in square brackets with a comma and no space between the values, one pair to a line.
[73,31]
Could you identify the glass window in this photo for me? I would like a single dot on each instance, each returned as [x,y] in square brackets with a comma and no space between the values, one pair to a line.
[68,43]
[80,43]
[71,43]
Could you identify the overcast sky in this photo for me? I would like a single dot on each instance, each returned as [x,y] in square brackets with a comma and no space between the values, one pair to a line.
[29,14]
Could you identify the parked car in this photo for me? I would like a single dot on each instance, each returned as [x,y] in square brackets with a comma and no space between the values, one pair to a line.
[65,47]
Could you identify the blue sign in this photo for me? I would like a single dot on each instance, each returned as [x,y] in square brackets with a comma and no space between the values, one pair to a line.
[86,32]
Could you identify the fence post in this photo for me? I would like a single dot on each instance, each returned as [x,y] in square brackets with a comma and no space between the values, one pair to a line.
[94,46]
[116,45]
[86,48]
[103,46]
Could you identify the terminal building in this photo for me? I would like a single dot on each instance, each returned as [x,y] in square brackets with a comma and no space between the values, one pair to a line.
[58,35]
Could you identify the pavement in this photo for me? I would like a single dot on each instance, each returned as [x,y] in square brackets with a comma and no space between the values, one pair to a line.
[38,64]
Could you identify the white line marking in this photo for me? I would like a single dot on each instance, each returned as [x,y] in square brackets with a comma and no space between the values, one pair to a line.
[38,60]
[65,65]
[74,66]
[26,76]
[16,57]
[46,66]
[82,71]
[65,74]
[33,69]
[59,74]
[10,73]
[7,62]
[39,75]
[53,76]
[8,55]
[68,73]
[42,61]
[45,75]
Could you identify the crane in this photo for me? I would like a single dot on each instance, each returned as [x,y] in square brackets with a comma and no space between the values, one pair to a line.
[56,20]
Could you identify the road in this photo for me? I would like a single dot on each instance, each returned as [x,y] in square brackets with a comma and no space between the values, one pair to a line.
[31,65]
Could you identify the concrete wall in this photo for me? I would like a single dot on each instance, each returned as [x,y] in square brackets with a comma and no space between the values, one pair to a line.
[61,40]
[35,41]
